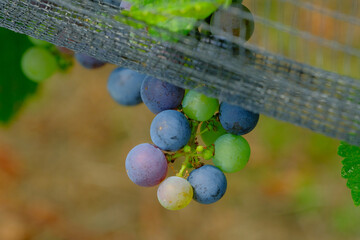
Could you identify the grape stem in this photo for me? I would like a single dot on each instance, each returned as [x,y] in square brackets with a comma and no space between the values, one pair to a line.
[183,167]
[204,131]
[192,144]
[194,128]
[171,157]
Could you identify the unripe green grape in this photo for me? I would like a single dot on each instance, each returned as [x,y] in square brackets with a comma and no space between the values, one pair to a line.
[38,64]
[187,149]
[232,152]
[207,154]
[199,107]
[199,148]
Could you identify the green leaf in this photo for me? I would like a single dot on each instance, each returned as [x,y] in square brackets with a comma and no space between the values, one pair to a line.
[14,86]
[178,16]
[347,150]
[177,25]
[356,197]
[351,169]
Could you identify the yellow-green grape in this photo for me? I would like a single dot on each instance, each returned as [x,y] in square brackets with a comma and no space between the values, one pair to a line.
[199,148]
[187,149]
[175,193]
[38,64]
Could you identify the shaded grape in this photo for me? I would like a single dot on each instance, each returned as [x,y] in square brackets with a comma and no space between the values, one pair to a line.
[124,86]
[159,95]
[88,61]
[210,131]
[199,107]
[237,120]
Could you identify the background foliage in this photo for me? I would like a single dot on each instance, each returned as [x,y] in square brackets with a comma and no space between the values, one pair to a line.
[15,88]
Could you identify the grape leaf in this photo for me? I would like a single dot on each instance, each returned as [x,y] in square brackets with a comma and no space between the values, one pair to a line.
[14,86]
[178,16]
[351,169]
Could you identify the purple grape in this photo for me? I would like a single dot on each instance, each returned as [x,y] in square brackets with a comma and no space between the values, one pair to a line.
[209,184]
[237,120]
[124,86]
[146,165]
[159,96]
[88,62]
[170,130]
[65,50]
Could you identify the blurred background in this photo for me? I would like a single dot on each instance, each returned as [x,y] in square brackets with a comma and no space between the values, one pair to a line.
[62,176]
[62,173]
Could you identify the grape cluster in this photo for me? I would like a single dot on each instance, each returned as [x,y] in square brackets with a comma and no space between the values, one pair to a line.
[181,118]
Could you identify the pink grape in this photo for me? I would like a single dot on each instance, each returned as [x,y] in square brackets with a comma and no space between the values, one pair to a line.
[146,165]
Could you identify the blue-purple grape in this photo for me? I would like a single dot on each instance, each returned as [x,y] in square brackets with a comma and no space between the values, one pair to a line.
[159,95]
[88,61]
[115,3]
[237,120]
[170,130]
[146,165]
[209,184]
[124,86]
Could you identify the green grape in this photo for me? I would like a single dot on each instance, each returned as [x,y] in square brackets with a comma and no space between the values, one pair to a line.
[38,64]
[199,107]
[207,155]
[199,149]
[232,153]
[38,42]
[210,131]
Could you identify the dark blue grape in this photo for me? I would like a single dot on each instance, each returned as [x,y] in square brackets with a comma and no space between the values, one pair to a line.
[124,86]
[88,62]
[170,130]
[237,120]
[209,184]
[146,165]
[113,2]
[159,96]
